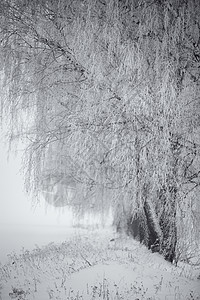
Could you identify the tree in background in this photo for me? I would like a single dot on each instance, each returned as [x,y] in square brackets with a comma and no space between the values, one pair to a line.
[107,94]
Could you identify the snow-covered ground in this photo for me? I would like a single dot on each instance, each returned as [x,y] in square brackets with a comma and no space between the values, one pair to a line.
[95,264]
[14,237]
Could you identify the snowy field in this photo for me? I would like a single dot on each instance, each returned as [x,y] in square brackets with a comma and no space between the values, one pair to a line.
[95,264]
[16,236]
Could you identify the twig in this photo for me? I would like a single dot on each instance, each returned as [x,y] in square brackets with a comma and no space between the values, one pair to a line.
[86,260]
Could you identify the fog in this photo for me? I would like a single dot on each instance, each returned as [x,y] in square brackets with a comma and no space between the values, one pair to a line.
[16,237]
[22,223]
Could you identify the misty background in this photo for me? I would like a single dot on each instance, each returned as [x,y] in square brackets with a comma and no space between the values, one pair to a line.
[23,223]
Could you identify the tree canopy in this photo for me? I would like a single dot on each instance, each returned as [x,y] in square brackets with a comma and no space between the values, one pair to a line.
[107,94]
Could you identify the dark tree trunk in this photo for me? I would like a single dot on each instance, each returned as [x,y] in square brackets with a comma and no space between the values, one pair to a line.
[142,228]
[168,224]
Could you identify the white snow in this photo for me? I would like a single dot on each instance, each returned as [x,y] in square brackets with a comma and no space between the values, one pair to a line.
[14,237]
[88,265]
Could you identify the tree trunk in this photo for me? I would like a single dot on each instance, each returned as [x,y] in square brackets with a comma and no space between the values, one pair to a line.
[143,228]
